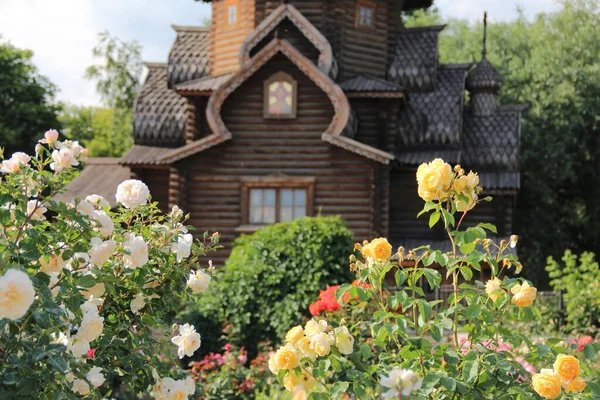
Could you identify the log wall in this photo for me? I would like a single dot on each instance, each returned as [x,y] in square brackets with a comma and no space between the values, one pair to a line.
[226,40]
[344,181]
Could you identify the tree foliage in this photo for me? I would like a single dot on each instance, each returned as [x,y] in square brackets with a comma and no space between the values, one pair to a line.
[25,100]
[551,63]
[101,130]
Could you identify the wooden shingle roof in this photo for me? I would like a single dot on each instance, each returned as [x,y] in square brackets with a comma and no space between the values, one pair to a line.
[100,176]
[159,113]
[189,57]
[369,86]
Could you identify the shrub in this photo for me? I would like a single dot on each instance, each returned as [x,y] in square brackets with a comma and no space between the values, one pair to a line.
[85,296]
[274,274]
[577,277]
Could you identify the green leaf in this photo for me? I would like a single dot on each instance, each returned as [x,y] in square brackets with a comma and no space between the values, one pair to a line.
[433,277]
[448,218]
[338,389]
[42,319]
[400,277]
[466,273]
[470,370]
[467,248]
[429,205]
[489,227]
[433,219]
[589,352]
[58,363]
[10,377]
[365,351]
[86,281]
[473,311]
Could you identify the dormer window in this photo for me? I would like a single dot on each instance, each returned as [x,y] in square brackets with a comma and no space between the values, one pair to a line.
[232,9]
[365,14]
[280,92]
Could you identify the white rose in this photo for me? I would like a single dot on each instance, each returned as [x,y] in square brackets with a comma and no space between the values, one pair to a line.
[188,340]
[138,252]
[52,285]
[137,303]
[183,247]
[91,327]
[54,264]
[79,347]
[90,307]
[101,251]
[94,292]
[50,136]
[35,210]
[16,294]
[104,225]
[95,376]
[21,158]
[400,382]
[10,166]
[84,208]
[63,158]
[97,201]
[78,261]
[80,386]
[321,343]
[132,193]
[176,390]
[198,281]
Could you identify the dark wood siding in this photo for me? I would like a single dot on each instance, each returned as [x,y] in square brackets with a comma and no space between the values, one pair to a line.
[288,31]
[344,181]
[157,181]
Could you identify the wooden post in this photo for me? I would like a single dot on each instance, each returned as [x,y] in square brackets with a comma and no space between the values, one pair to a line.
[190,121]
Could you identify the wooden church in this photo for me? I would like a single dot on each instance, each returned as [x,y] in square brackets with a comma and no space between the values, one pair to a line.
[280,110]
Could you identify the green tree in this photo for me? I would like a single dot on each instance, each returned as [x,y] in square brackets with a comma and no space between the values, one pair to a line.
[551,63]
[99,129]
[26,100]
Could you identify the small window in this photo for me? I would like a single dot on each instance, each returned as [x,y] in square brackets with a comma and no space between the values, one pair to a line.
[268,206]
[280,93]
[275,198]
[232,8]
[365,14]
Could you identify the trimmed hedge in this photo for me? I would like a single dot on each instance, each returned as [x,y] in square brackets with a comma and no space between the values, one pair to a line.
[272,276]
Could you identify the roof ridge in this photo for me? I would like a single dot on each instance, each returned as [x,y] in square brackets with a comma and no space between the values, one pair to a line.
[437,28]
[155,64]
[456,66]
[190,28]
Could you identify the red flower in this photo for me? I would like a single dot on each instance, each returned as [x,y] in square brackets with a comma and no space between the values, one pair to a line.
[90,353]
[581,342]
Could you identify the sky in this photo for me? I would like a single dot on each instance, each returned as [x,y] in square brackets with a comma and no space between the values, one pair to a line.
[62,33]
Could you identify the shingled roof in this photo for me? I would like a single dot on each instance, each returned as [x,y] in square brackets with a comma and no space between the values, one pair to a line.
[159,117]
[415,60]
[365,84]
[491,143]
[204,85]
[100,176]
[189,57]
[434,117]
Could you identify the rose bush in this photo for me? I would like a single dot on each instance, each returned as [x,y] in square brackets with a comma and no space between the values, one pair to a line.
[414,347]
[85,291]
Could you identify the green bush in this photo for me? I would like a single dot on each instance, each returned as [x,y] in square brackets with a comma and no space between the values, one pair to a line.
[578,278]
[273,275]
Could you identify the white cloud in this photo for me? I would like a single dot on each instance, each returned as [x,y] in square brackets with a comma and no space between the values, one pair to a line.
[499,10]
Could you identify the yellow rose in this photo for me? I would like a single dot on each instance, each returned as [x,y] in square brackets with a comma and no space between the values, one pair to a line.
[321,343]
[473,180]
[577,385]
[434,179]
[567,366]
[303,381]
[285,358]
[304,347]
[344,340]
[492,288]
[547,384]
[445,171]
[379,249]
[462,206]
[294,334]
[523,295]
[460,184]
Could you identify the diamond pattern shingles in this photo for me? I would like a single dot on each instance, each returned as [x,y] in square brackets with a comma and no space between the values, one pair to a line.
[364,83]
[159,115]
[435,117]
[415,61]
[189,57]
[492,143]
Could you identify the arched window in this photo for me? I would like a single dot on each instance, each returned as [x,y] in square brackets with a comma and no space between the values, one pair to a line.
[280,93]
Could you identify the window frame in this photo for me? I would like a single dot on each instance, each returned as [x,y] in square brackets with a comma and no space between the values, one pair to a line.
[365,4]
[227,5]
[279,183]
[280,77]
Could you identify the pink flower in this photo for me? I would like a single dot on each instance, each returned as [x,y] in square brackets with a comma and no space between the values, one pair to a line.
[227,347]
[581,342]
[90,353]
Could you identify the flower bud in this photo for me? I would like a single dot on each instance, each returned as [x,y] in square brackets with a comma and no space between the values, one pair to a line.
[506,263]
[503,243]
[513,241]
[38,148]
